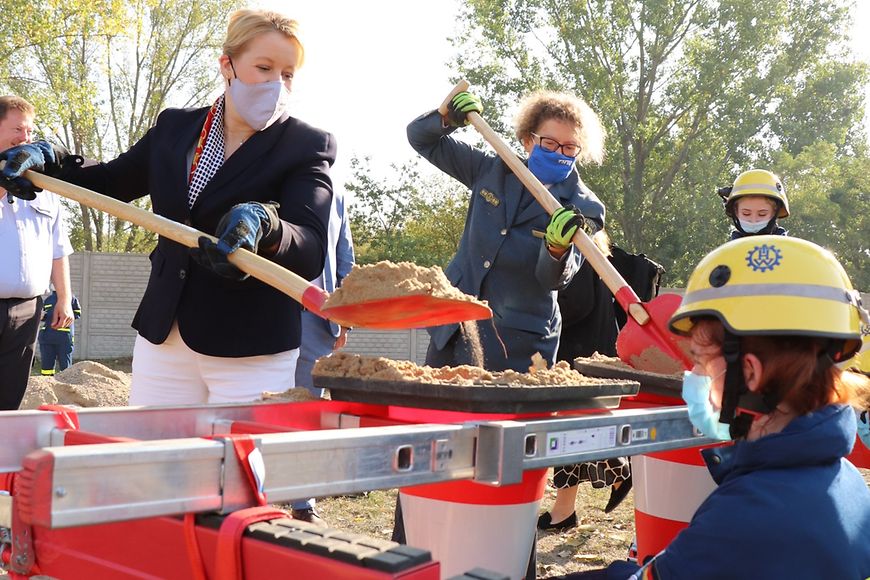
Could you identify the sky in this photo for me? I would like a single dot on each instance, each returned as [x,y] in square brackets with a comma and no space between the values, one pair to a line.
[372,66]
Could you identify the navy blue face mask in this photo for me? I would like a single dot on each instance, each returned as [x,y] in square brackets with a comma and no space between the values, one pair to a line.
[550,166]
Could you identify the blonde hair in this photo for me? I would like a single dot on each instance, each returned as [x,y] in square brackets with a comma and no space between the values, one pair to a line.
[541,106]
[247,24]
[14,103]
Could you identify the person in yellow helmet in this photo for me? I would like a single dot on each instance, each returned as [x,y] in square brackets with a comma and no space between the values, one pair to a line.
[768,319]
[754,203]
[860,363]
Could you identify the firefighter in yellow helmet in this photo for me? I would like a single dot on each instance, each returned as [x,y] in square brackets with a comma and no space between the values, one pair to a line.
[860,363]
[768,318]
[754,203]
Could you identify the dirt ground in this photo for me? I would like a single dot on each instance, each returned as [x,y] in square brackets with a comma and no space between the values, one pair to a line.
[598,539]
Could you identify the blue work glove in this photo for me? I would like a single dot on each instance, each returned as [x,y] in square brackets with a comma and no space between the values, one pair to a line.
[21,158]
[459,107]
[253,226]
[864,428]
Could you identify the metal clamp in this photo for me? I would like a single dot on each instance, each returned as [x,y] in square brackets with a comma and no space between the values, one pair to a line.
[498,457]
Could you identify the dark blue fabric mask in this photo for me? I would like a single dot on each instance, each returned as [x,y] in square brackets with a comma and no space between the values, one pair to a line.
[550,166]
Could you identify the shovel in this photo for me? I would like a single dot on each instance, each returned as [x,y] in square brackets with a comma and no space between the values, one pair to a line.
[645,338]
[413,311]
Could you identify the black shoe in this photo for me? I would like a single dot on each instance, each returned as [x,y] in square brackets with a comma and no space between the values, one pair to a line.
[308,515]
[617,494]
[545,522]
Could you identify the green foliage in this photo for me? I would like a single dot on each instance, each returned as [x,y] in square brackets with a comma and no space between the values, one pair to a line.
[100,71]
[830,195]
[692,92]
[405,217]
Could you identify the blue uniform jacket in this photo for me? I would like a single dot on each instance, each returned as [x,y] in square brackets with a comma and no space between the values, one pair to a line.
[49,335]
[788,506]
[499,259]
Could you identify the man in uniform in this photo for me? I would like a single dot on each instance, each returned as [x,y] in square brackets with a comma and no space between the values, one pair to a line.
[35,247]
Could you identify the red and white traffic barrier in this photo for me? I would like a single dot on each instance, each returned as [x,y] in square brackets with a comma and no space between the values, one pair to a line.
[467,525]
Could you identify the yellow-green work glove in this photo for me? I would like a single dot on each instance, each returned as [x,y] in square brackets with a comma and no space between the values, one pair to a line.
[563,225]
[459,107]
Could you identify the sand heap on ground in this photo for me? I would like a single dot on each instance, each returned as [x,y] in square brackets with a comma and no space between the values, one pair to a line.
[86,383]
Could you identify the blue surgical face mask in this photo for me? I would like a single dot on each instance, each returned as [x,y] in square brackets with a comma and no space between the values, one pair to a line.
[696,394]
[550,166]
[752,227]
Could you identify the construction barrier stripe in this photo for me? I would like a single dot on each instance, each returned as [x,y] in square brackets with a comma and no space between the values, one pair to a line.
[669,490]
[64,417]
[529,490]
[860,456]
[787,290]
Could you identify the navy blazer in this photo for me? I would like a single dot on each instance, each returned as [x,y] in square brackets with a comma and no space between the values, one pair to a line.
[287,163]
[499,258]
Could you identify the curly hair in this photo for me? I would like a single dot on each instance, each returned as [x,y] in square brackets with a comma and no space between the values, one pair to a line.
[541,106]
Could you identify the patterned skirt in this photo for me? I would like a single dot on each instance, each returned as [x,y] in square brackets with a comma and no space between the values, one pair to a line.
[601,473]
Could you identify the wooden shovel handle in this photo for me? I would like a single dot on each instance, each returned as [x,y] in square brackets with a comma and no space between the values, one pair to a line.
[260,268]
[626,297]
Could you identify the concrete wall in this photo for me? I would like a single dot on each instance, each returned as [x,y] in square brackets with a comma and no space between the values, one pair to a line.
[109,287]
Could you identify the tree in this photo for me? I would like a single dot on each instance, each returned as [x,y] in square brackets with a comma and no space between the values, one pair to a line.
[406,217]
[833,194]
[691,91]
[99,73]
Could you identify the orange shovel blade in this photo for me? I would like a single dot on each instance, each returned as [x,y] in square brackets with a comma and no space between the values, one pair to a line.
[414,311]
[653,347]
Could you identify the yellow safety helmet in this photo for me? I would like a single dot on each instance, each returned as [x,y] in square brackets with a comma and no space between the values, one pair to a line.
[861,361]
[756,182]
[775,285]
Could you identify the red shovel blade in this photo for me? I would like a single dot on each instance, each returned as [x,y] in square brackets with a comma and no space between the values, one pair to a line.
[653,347]
[414,311]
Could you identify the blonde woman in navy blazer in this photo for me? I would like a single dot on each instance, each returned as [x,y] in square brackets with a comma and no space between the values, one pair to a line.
[205,336]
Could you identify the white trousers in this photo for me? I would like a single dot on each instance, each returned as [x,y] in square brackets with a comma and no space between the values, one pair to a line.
[172,374]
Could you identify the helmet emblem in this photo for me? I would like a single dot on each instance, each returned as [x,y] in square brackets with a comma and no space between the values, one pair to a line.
[763,258]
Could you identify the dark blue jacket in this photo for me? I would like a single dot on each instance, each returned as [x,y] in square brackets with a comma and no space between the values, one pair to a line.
[288,163]
[49,335]
[788,506]
[499,259]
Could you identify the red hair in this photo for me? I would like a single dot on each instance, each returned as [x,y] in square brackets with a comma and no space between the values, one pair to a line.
[796,371]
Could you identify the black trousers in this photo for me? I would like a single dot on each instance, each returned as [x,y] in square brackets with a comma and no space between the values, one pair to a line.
[19,325]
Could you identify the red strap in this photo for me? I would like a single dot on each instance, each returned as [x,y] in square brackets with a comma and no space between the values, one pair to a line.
[64,417]
[228,553]
[194,556]
[250,459]
[229,550]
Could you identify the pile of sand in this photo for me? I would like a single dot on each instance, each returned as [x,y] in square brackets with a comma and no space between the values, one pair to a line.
[342,364]
[390,280]
[91,384]
[86,384]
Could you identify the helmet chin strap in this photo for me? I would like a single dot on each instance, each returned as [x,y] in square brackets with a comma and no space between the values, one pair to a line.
[740,406]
